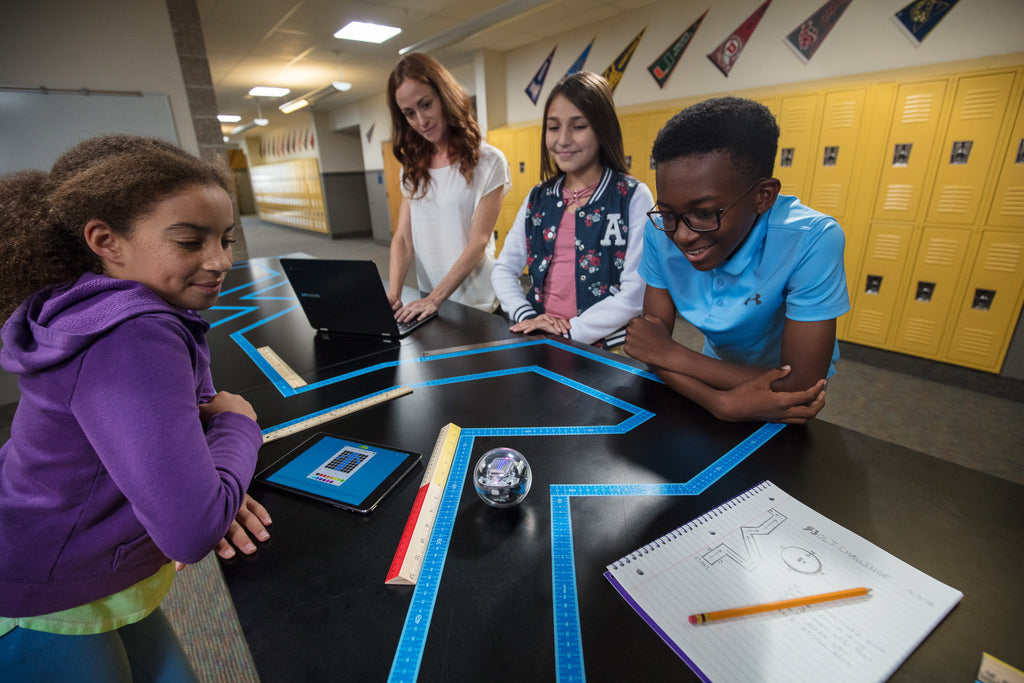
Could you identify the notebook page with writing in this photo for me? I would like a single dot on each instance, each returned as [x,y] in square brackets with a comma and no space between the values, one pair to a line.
[764,546]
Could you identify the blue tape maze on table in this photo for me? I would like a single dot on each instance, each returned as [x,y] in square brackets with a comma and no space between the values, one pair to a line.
[412,641]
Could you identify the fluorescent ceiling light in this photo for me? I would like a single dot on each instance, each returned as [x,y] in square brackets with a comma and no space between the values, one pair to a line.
[229,118]
[294,105]
[367,33]
[261,121]
[342,85]
[267,91]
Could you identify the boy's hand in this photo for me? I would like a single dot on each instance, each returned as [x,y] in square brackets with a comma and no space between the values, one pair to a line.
[755,401]
[253,519]
[647,339]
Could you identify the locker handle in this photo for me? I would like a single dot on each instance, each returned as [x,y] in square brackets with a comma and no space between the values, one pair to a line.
[874,284]
[925,291]
[983,299]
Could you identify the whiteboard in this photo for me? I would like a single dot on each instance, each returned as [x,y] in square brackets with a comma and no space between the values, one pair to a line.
[36,127]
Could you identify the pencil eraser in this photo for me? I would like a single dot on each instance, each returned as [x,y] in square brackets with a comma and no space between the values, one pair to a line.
[693,619]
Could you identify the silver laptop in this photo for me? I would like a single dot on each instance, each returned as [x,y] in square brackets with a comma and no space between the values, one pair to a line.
[345,297]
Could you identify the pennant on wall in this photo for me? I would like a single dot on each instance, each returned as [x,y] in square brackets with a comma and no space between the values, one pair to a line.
[662,67]
[533,90]
[369,133]
[806,38]
[919,18]
[615,70]
[726,54]
[581,60]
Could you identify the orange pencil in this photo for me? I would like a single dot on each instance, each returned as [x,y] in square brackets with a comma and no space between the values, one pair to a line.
[780,604]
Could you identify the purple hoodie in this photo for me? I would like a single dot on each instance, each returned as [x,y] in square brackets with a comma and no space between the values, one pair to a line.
[109,471]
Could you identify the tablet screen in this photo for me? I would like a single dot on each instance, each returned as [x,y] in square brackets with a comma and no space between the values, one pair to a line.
[349,473]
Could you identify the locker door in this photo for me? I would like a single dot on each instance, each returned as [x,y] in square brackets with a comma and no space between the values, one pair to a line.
[1008,201]
[930,293]
[837,145]
[797,125]
[991,302]
[968,148]
[526,172]
[878,285]
[633,146]
[654,121]
[504,140]
[910,146]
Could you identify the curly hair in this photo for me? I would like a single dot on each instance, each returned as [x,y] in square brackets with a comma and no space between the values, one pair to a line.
[414,151]
[591,94]
[117,179]
[744,129]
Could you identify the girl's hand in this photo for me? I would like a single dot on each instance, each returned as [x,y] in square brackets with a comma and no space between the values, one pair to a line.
[542,323]
[225,401]
[252,517]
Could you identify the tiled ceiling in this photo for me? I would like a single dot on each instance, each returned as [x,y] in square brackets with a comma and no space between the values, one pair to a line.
[291,43]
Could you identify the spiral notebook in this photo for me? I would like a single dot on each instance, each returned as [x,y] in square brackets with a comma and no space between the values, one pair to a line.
[763,546]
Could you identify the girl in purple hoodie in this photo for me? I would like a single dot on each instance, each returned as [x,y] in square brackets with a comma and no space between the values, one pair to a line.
[123,459]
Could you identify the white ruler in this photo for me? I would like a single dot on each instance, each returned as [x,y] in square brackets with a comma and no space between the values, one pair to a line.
[290,428]
[282,368]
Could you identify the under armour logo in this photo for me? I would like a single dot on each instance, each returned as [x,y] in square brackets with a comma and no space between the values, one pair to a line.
[756,299]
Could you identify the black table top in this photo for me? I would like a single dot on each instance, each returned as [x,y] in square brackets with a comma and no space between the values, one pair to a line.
[313,603]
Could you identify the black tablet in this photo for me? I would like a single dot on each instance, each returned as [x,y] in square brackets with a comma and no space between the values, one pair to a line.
[349,474]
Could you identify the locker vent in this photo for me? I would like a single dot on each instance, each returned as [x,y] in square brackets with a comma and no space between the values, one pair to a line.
[869,323]
[980,104]
[919,331]
[1013,204]
[975,342]
[955,199]
[1004,258]
[843,114]
[897,197]
[888,247]
[918,108]
[941,252]
[797,120]
[828,196]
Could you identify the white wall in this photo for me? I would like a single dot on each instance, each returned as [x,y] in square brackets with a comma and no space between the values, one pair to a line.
[865,39]
[100,45]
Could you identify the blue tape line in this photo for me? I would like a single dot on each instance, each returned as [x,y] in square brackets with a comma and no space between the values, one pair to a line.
[568,637]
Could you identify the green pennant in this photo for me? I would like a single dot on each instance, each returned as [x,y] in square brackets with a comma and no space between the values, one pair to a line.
[613,74]
[662,67]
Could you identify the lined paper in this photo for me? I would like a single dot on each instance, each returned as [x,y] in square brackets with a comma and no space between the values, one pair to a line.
[763,546]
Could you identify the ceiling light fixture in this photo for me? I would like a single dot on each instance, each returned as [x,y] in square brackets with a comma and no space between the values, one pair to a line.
[294,105]
[259,120]
[366,32]
[340,85]
[268,91]
[229,118]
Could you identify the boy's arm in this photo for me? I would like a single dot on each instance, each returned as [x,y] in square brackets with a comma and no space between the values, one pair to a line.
[733,392]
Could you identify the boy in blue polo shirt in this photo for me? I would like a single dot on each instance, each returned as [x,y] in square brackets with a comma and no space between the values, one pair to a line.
[759,273]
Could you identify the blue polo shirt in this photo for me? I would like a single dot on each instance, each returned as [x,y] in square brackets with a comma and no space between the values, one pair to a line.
[790,266]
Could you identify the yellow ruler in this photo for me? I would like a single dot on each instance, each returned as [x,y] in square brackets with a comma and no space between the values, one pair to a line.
[320,418]
[413,545]
[282,368]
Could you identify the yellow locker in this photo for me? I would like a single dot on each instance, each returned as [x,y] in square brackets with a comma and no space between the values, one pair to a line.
[990,303]
[930,293]
[797,126]
[633,142]
[1008,200]
[503,139]
[842,114]
[910,146]
[653,121]
[968,148]
[878,285]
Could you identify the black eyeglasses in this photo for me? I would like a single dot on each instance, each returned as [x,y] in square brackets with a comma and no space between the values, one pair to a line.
[701,220]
